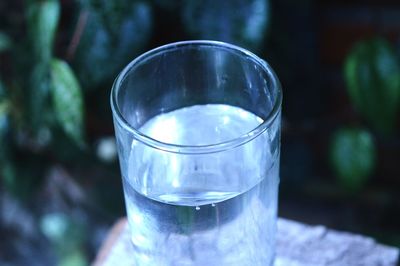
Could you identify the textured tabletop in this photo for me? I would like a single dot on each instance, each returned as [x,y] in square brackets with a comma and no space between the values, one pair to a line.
[297,245]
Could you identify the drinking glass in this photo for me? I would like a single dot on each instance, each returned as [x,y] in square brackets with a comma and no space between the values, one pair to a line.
[197,125]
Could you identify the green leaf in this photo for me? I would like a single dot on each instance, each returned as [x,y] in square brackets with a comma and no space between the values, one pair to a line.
[352,157]
[241,22]
[39,96]
[5,42]
[67,100]
[372,75]
[114,32]
[43,17]
[39,114]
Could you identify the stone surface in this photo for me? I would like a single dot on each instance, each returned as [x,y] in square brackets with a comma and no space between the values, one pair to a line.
[297,245]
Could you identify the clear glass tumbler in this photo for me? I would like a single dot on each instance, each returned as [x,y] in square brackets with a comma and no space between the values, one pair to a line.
[198,133]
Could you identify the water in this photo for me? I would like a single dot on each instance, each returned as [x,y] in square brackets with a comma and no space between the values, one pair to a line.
[213,209]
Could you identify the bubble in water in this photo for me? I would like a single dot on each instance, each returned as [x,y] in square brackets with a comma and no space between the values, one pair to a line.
[197,208]
[212,204]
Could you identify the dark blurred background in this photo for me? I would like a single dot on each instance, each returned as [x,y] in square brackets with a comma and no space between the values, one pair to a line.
[60,187]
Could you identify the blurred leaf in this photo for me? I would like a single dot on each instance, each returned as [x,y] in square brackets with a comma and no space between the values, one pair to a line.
[66,236]
[67,100]
[4,123]
[5,42]
[39,96]
[9,177]
[76,258]
[352,157]
[372,75]
[42,19]
[4,132]
[22,174]
[114,33]
[7,171]
[241,22]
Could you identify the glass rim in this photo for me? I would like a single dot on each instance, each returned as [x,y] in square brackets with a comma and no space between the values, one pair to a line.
[195,149]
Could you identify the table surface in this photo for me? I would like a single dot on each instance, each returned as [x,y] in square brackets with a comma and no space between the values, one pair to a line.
[297,245]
